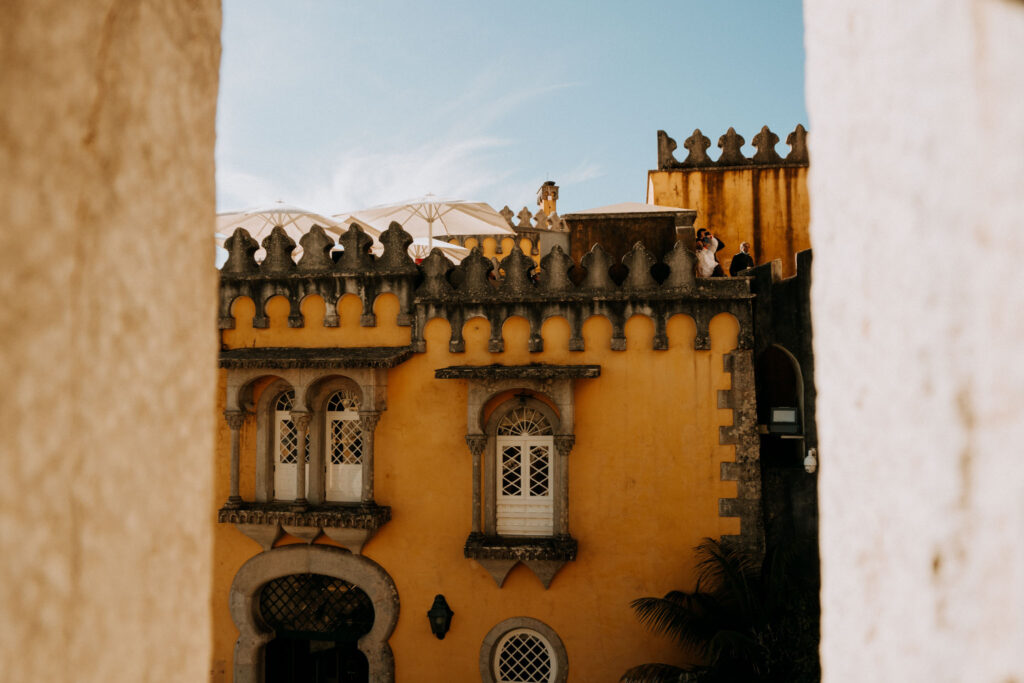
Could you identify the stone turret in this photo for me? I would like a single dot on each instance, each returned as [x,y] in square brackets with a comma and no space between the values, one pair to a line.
[547,197]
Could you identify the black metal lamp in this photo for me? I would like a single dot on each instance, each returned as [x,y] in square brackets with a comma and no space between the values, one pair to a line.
[440,615]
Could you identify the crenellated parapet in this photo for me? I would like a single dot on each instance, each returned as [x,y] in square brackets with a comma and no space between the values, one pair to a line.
[638,284]
[526,224]
[732,155]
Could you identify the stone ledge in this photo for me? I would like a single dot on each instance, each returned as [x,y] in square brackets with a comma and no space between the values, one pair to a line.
[520,548]
[349,525]
[532,371]
[291,357]
[544,556]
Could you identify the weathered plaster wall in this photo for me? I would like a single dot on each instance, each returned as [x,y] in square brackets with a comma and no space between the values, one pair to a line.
[644,487]
[766,206]
[917,220]
[108,356]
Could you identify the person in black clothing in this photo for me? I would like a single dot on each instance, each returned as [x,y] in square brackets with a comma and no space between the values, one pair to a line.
[742,260]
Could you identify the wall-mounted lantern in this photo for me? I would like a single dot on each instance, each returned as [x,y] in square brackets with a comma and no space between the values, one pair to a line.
[440,615]
[785,420]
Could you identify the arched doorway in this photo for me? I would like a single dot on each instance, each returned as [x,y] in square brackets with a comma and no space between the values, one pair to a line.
[313,613]
[317,622]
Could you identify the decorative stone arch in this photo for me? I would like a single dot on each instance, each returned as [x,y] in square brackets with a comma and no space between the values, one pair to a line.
[489,648]
[311,559]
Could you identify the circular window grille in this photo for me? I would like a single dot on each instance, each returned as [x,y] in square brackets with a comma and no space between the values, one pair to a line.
[315,606]
[523,656]
[524,421]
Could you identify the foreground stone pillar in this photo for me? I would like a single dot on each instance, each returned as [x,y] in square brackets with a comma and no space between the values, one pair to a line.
[917,131]
[108,353]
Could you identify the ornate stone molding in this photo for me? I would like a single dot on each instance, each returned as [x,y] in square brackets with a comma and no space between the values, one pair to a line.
[350,525]
[465,291]
[235,418]
[368,420]
[301,419]
[499,554]
[477,443]
[564,443]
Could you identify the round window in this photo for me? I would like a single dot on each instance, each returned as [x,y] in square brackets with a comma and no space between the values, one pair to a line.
[524,656]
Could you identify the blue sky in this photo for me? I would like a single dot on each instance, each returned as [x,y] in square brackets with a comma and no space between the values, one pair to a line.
[338,105]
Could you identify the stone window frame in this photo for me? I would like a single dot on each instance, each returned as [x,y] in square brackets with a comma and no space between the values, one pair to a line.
[544,555]
[263,519]
[312,389]
[249,659]
[489,647]
[559,520]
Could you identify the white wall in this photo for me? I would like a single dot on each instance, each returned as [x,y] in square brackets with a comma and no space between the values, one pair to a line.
[917,219]
[107,338]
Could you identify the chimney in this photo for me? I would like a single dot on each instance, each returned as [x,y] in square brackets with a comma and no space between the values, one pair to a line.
[547,197]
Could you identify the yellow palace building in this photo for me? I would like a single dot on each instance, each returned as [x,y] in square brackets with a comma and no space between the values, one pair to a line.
[428,472]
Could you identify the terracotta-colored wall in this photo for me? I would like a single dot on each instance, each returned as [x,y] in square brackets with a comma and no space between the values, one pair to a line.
[644,487]
[766,206]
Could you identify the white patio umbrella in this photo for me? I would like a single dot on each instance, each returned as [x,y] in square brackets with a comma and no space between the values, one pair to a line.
[419,249]
[429,215]
[261,220]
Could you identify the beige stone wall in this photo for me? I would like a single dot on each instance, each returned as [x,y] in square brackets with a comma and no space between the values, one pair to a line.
[108,342]
[917,219]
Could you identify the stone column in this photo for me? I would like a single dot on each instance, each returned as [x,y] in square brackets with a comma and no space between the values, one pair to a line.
[477,443]
[368,422]
[563,444]
[235,420]
[301,420]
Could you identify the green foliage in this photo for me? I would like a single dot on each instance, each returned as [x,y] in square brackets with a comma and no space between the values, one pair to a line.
[746,621]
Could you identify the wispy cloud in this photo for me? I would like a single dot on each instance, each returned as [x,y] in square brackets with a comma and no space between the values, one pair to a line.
[461,169]
[584,171]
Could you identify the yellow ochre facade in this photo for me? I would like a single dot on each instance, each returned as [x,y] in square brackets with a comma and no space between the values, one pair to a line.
[762,200]
[656,392]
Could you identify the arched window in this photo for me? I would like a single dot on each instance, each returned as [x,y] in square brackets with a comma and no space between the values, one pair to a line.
[286,448]
[344,440]
[523,656]
[525,444]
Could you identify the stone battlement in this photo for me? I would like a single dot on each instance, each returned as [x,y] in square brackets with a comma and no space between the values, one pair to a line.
[732,155]
[639,285]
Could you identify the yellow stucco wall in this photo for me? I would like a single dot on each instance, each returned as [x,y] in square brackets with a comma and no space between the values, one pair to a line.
[644,487]
[488,245]
[766,206]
